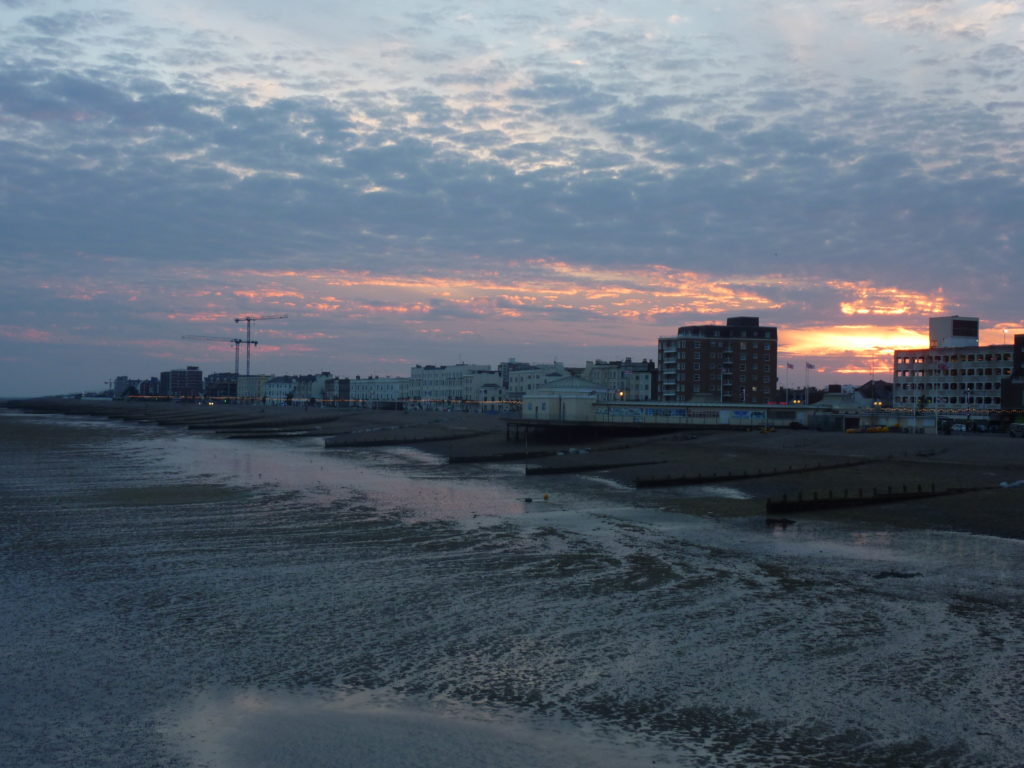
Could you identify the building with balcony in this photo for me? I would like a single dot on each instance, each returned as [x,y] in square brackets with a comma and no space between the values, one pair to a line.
[732,363]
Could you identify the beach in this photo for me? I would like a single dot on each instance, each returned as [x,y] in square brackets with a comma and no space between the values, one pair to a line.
[792,463]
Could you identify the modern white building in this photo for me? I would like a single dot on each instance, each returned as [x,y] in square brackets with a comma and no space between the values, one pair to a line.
[954,372]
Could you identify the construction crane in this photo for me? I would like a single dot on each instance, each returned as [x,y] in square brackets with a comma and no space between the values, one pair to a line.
[249,320]
[236,342]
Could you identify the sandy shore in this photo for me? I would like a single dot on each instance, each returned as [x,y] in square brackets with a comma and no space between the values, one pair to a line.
[792,462]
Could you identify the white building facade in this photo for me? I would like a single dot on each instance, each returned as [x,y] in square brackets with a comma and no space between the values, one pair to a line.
[379,392]
[954,373]
[311,387]
[447,386]
[523,380]
[625,379]
[279,390]
[251,388]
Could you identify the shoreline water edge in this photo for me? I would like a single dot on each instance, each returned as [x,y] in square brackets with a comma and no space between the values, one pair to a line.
[982,473]
[176,596]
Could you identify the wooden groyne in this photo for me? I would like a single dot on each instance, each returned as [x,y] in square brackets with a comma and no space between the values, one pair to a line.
[498,457]
[720,477]
[267,434]
[858,497]
[244,423]
[343,441]
[580,468]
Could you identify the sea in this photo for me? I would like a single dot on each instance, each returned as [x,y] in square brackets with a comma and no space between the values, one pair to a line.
[174,598]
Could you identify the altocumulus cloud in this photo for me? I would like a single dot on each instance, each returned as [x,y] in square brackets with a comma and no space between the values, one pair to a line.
[858,146]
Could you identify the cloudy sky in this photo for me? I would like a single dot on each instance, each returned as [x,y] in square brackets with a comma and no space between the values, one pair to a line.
[429,182]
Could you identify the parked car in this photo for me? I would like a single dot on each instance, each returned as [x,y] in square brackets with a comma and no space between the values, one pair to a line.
[958,428]
[1016,429]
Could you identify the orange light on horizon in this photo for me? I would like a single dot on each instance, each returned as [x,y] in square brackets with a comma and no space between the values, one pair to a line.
[846,340]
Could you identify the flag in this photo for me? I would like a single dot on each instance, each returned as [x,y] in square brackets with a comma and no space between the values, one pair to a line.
[810,365]
[789,365]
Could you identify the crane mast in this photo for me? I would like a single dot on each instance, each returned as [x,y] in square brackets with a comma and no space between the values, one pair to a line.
[249,320]
[236,342]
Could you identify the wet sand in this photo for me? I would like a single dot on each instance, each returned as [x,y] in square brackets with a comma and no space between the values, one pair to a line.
[791,460]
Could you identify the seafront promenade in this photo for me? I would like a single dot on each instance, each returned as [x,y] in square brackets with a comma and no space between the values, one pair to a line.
[756,465]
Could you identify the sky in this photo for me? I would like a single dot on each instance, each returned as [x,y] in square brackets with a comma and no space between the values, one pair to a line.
[429,183]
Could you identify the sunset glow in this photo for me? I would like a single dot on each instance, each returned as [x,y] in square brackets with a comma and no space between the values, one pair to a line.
[428,184]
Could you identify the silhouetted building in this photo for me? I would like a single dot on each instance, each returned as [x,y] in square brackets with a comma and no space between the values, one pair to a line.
[337,393]
[731,363]
[1013,387]
[222,385]
[186,382]
[149,387]
[125,387]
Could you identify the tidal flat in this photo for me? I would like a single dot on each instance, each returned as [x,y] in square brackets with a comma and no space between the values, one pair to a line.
[176,598]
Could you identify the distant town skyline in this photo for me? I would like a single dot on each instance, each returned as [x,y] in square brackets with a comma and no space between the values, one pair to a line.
[423,183]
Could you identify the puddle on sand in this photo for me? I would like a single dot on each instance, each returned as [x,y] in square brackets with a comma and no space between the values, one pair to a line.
[372,730]
[392,479]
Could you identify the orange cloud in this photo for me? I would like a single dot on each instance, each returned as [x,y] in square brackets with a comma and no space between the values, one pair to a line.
[27,334]
[268,293]
[869,299]
[199,317]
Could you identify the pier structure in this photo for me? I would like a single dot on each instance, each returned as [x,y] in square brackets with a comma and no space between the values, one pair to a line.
[575,407]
